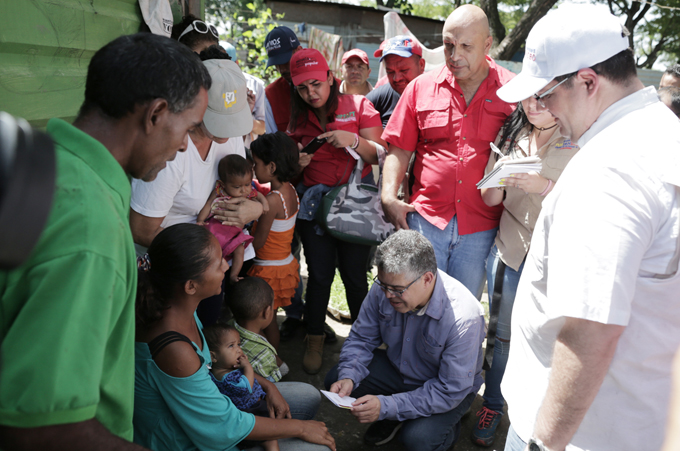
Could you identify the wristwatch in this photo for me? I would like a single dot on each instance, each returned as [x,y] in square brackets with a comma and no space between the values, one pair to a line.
[536,445]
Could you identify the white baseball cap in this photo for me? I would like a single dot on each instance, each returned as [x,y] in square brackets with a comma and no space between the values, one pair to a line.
[566,40]
[228,114]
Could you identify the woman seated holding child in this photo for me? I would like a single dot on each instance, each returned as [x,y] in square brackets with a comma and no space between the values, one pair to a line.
[177,405]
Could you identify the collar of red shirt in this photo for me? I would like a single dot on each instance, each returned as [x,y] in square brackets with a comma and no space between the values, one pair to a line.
[445,74]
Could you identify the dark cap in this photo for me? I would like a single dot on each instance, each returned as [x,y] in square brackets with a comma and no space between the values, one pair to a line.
[280,43]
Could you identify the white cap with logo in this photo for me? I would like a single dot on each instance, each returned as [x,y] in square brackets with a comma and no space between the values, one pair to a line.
[566,40]
[228,114]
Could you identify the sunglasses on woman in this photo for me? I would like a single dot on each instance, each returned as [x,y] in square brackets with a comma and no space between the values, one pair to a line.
[200,27]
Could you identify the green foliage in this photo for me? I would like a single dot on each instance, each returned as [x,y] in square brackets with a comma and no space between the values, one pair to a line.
[248,24]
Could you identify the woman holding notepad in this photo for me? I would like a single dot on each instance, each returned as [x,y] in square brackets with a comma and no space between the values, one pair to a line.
[529,132]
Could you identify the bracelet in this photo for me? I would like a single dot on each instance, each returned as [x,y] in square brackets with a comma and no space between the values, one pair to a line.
[547,188]
[356,142]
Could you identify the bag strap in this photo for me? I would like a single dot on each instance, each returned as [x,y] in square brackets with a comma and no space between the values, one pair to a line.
[494,312]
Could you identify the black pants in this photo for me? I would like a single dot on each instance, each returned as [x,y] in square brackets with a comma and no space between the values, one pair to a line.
[321,254]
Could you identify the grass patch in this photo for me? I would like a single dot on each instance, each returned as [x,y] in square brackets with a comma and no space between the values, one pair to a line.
[338,299]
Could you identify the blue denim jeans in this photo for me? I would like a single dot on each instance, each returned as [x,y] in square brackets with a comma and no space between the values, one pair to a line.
[493,399]
[460,256]
[303,400]
[513,442]
[434,433]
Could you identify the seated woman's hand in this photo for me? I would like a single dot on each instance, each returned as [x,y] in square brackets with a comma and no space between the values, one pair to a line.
[317,432]
[237,211]
[277,405]
[339,138]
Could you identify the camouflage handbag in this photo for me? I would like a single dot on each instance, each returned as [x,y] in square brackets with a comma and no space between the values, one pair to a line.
[353,212]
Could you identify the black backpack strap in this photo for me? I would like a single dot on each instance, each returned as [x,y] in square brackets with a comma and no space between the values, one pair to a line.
[157,344]
[494,310]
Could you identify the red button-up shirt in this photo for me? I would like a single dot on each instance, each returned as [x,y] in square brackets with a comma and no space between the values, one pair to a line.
[332,166]
[451,141]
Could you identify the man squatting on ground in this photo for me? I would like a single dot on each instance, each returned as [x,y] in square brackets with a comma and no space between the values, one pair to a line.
[431,371]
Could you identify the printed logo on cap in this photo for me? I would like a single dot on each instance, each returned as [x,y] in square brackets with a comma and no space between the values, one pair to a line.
[403,43]
[167,25]
[306,62]
[229,99]
[531,54]
[293,42]
[273,44]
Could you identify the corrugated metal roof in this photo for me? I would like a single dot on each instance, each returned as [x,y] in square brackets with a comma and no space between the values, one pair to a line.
[45,48]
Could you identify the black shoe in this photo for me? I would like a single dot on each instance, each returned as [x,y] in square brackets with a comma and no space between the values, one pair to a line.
[331,337]
[381,432]
[288,328]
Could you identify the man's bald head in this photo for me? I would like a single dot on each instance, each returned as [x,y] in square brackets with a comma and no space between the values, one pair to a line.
[469,16]
[467,41]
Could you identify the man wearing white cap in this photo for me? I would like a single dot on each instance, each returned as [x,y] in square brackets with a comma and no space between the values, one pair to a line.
[355,71]
[180,191]
[596,320]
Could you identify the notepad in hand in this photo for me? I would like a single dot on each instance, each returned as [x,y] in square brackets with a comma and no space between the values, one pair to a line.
[518,166]
[345,403]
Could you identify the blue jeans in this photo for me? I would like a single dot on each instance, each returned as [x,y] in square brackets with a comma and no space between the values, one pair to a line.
[460,256]
[493,399]
[437,432]
[513,442]
[303,400]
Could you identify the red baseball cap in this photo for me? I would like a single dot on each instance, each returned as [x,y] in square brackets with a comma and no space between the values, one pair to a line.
[378,53]
[358,53]
[308,64]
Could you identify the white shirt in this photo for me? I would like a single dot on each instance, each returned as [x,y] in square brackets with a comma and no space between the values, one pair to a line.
[606,249]
[181,189]
[257,86]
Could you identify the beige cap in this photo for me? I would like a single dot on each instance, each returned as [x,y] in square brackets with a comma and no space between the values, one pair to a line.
[228,114]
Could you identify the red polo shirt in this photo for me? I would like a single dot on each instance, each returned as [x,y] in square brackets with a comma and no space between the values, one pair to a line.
[278,94]
[451,141]
[332,166]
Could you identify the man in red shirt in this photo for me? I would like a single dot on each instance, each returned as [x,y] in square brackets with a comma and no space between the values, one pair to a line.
[448,117]
[281,43]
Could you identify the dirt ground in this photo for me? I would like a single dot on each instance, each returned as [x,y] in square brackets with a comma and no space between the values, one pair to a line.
[347,431]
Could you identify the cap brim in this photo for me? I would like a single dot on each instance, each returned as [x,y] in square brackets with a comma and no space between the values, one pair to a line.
[320,75]
[378,53]
[282,58]
[522,87]
[402,53]
[228,125]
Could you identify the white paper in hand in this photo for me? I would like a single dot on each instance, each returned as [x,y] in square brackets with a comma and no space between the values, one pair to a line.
[345,403]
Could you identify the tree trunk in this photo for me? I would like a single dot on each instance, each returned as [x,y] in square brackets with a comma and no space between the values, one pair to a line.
[514,41]
[490,7]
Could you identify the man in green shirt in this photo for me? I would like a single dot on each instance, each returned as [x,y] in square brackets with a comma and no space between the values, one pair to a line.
[67,313]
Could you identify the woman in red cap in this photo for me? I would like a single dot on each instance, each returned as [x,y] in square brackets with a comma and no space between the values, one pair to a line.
[352,129]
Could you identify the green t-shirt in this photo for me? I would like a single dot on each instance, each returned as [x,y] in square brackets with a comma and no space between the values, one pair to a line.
[67,313]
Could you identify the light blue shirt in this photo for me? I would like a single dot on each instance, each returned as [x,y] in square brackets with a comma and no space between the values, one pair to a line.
[440,350]
[184,413]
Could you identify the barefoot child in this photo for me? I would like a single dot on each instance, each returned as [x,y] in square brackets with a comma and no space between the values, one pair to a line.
[234,376]
[236,176]
[276,159]
[251,301]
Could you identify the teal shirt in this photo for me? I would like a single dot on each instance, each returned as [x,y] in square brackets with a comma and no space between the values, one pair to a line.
[184,413]
[67,314]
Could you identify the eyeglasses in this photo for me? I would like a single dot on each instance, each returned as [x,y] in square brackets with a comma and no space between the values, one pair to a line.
[394,292]
[541,99]
[200,27]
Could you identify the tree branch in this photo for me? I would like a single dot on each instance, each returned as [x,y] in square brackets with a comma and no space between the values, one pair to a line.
[515,39]
[490,7]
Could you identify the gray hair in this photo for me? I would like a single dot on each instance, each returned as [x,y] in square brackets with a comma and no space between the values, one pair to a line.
[406,252]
